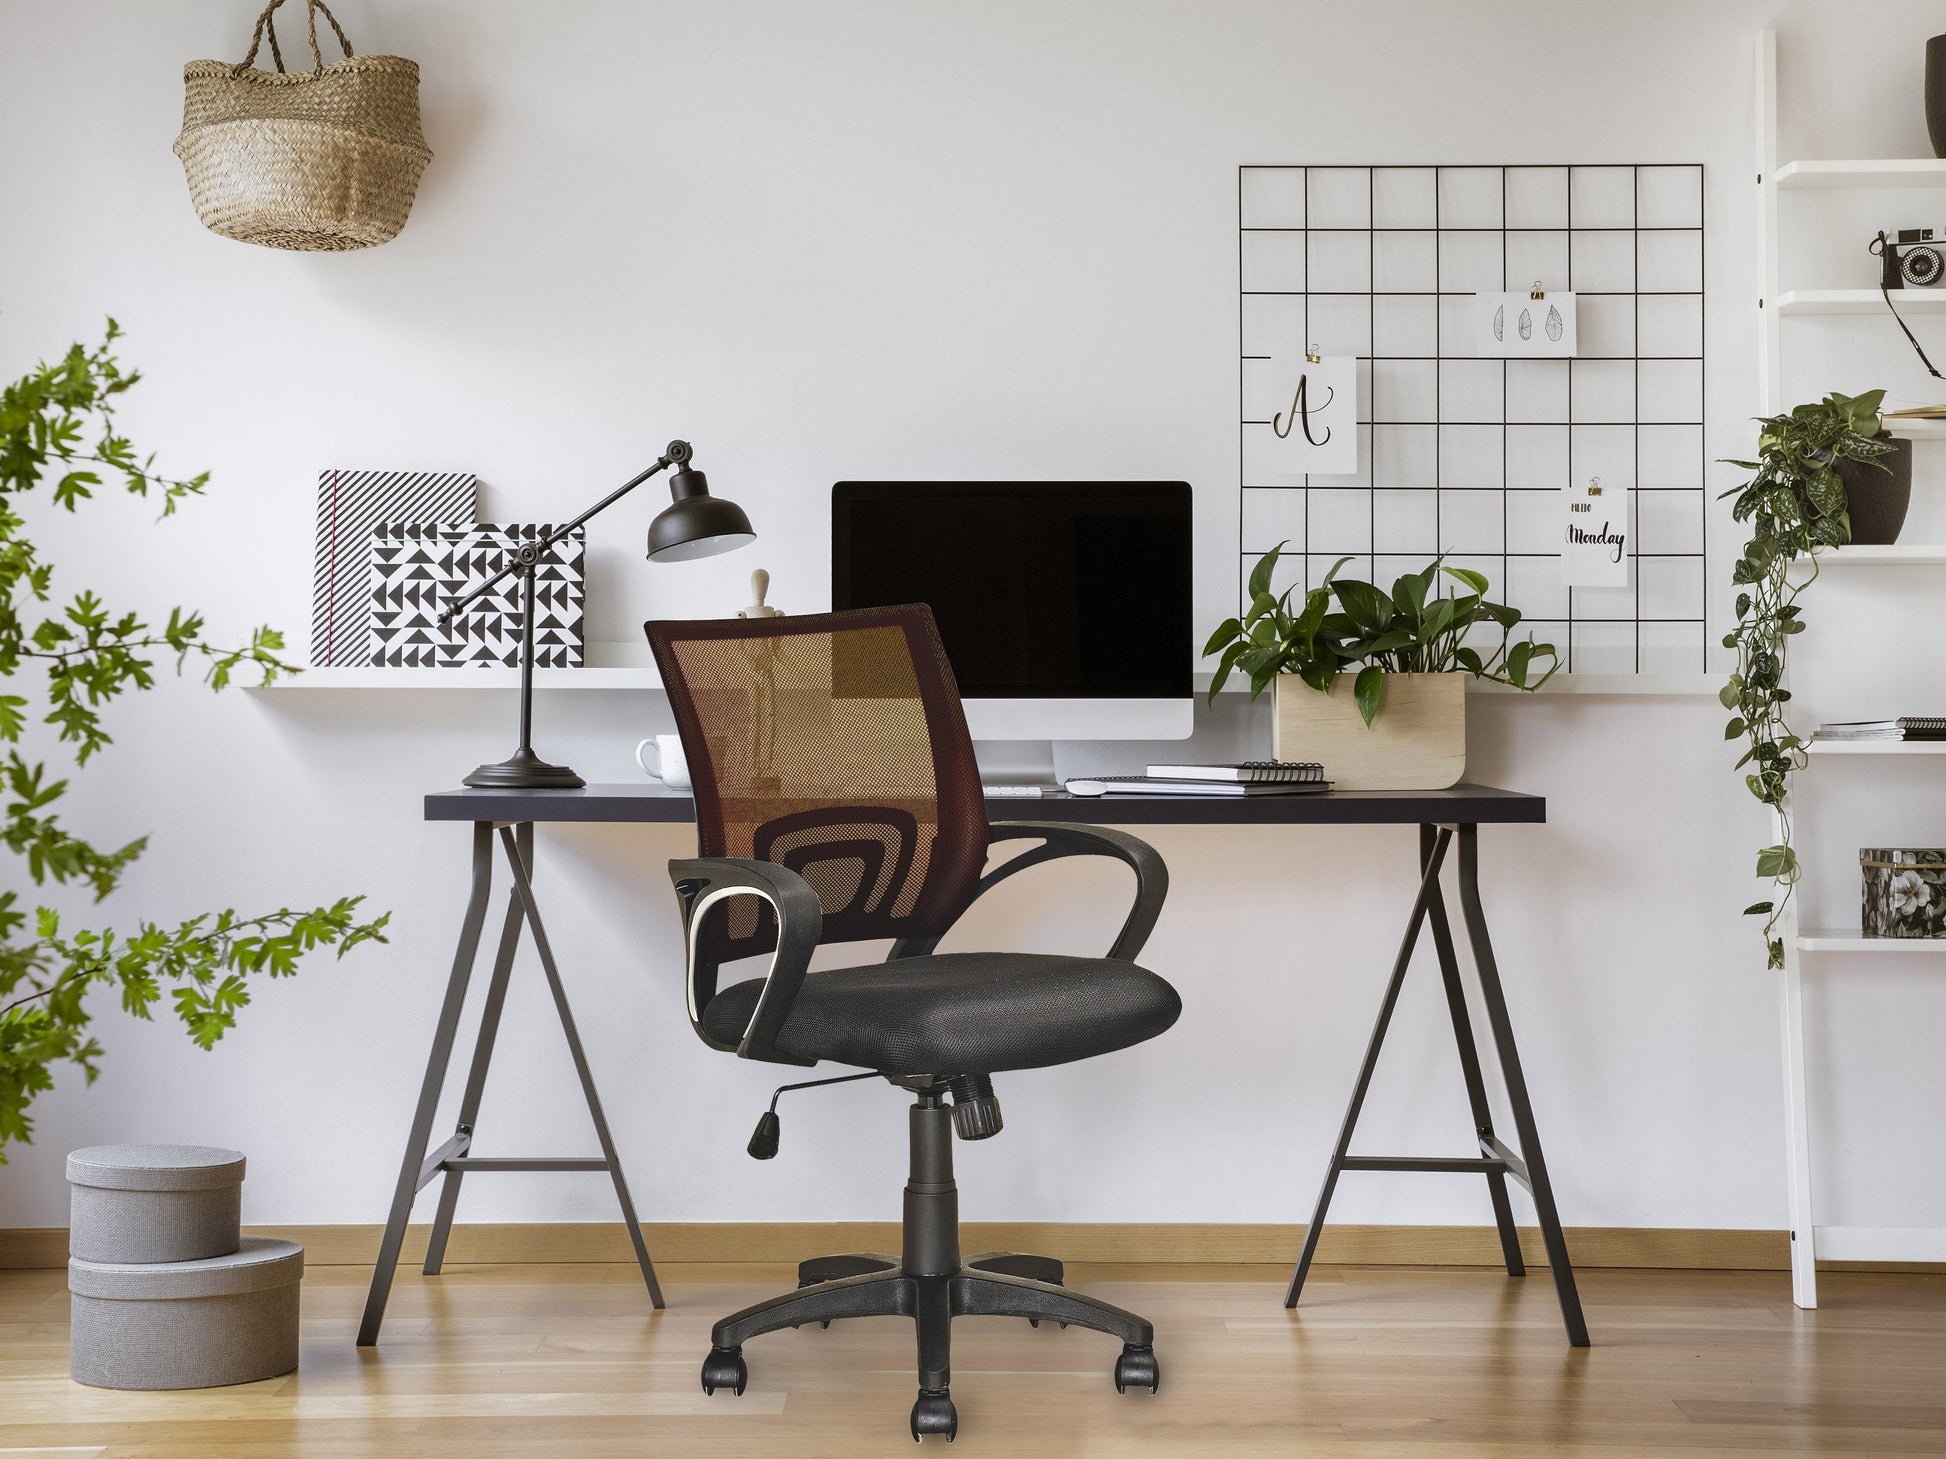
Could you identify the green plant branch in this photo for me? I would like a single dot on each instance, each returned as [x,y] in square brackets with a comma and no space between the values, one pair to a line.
[87,657]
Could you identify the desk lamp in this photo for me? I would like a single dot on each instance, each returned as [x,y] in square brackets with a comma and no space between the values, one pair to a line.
[694,524]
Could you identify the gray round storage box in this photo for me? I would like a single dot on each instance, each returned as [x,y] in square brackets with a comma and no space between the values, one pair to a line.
[196,1324]
[152,1203]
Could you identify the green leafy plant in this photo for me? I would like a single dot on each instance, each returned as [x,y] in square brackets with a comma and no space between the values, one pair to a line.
[1412,630]
[1795,503]
[57,430]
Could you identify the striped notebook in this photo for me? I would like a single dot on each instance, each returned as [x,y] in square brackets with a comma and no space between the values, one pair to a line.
[351,505]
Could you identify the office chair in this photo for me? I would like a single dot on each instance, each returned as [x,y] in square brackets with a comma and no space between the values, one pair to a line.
[837,800]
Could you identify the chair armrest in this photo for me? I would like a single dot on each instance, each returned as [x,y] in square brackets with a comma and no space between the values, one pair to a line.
[701,883]
[1058,839]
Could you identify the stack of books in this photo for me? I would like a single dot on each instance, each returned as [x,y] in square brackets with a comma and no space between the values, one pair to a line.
[1907,727]
[1247,778]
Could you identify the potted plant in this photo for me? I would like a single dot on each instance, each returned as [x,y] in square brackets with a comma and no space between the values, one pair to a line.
[1372,685]
[1813,467]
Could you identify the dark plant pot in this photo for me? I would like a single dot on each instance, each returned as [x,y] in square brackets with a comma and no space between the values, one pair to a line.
[1936,94]
[1879,491]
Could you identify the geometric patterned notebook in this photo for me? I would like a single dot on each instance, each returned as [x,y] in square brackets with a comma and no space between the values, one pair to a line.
[350,505]
[418,569]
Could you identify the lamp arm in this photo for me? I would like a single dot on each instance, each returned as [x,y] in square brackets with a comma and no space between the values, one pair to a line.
[677,454]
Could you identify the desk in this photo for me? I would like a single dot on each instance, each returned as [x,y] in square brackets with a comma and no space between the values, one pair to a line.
[1442,816]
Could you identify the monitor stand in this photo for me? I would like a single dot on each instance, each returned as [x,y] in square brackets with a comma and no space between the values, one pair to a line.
[1016,767]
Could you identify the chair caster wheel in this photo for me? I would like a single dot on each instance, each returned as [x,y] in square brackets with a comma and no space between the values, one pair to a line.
[933,1413]
[1137,1368]
[724,1368]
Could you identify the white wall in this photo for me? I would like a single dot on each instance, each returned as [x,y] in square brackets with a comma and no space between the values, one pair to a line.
[875,239]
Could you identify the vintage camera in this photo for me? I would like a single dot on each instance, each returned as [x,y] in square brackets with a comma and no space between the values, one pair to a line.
[1914,257]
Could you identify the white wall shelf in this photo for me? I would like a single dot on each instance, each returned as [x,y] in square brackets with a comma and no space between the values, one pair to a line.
[1612,684]
[405,680]
[630,677]
[1897,555]
[1916,428]
[1851,939]
[1876,747]
[1880,172]
[1858,301]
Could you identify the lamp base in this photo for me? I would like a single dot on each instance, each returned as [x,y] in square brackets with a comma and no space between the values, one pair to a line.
[524,770]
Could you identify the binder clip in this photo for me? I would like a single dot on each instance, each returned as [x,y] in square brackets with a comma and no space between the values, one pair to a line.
[1594,486]
[1535,291]
[1313,356]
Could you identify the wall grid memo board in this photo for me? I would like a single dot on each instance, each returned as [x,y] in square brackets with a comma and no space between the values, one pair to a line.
[1467,455]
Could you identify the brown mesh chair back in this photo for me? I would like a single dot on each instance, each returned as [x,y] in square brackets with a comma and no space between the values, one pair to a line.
[833,745]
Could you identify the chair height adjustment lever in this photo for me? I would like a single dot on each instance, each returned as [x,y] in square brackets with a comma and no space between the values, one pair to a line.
[976,1111]
[763,1139]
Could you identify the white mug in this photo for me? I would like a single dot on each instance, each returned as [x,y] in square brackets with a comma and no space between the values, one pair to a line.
[661,758]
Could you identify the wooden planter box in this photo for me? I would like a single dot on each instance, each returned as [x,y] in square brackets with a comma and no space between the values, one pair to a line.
[1417,742]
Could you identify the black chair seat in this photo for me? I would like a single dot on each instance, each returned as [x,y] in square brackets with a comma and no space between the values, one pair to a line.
[961,1012]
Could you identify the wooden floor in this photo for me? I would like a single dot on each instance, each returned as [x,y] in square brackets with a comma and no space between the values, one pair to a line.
[492,1361]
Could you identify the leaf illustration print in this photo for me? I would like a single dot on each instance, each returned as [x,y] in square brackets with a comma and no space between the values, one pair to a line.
[1526,324]
[1554,324]
[1500,323]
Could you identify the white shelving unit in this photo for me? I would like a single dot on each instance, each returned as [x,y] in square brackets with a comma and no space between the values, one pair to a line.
[1879,172]
[610,667]
[1850,939]
[633,678]
[411,680]
[1809,1240]
[1857,301]
[1821,748]
[1897,555]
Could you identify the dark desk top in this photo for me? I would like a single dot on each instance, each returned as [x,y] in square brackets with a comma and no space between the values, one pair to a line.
[1462,804]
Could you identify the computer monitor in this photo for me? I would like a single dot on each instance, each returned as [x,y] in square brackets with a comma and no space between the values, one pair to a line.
[1064,606]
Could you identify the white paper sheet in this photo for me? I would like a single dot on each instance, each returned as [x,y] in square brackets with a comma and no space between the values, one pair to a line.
[1518,326]
[1315,427]
[1594,536]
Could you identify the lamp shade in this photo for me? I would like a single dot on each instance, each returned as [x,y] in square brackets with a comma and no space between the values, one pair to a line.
[696,524]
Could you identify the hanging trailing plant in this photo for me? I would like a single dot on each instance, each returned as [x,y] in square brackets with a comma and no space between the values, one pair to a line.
[1796,504]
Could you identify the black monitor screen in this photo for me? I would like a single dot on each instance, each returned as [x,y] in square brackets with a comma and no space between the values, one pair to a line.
[1042,590]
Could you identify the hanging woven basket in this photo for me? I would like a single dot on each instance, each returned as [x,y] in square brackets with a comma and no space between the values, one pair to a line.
[319,161]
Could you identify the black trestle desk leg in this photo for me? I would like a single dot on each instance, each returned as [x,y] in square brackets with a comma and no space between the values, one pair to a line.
[467,1125]
[1469,1057]
[525,892]
[429,1088]
[1428,888]
[1503,1040]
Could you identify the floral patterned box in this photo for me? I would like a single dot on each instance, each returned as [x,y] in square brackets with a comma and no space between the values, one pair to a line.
[1905,892]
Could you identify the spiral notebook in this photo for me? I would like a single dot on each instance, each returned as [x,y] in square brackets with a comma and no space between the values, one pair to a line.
[1243,772]
[1907,727]
[1158,785]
